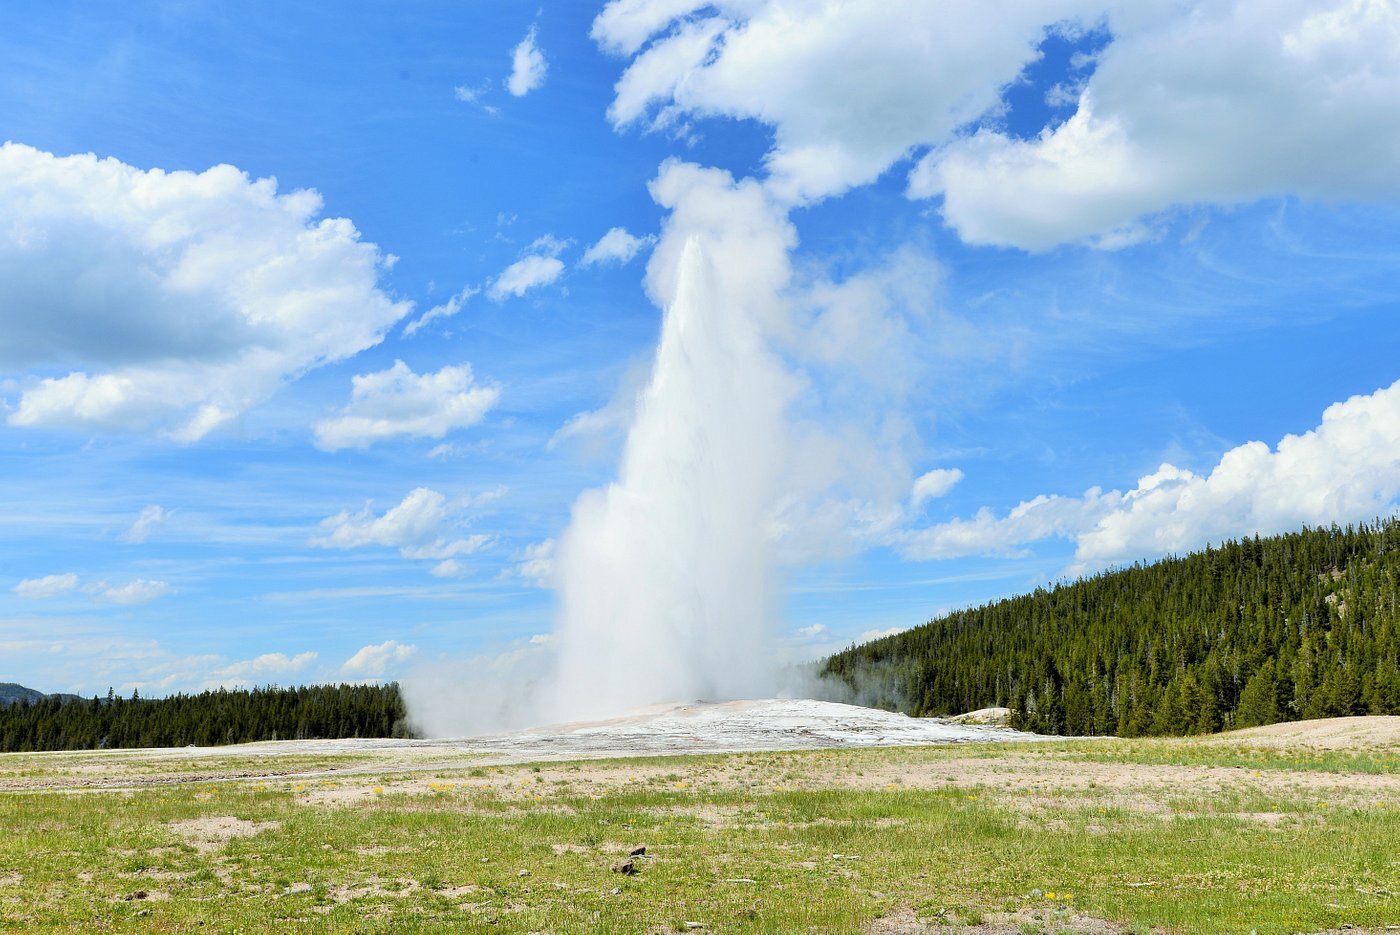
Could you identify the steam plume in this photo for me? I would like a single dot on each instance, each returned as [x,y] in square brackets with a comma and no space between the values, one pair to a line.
[666,577]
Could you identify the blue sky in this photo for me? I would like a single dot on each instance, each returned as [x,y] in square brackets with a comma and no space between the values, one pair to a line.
[1031,253]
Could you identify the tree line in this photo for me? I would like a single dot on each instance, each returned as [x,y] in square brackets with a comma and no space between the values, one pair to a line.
[312,712]
[1259,630]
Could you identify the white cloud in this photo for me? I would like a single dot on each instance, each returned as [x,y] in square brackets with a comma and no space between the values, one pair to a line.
[398,401]
[372,661]
[150,517]
[475,96]
[170,301]
[136,591]
[812,632]
[597,429]
[249,670]
[1031,520]
[624,26]
[527,66]
[525,274]
[448,568]
[869,635]
[422,526]
[849,88]
[1346,469]
[47,586]
[1219,102]
[936,483]
[537,563]
[1190,102]
[446,310]
[541,639]
[616,246]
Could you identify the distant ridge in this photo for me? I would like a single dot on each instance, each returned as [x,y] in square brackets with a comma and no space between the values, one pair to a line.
[13,693]
[1253,632]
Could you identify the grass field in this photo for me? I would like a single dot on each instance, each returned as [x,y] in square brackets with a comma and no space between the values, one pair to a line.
[1232,835]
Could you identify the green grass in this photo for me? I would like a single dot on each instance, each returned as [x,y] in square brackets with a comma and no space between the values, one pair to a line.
[448,856]
[1202,752]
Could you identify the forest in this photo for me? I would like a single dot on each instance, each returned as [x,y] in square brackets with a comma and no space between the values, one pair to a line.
[208,718]
[1256,631]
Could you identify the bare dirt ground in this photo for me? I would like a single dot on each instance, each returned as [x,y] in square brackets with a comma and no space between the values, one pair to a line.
[344,772]
[1340,733]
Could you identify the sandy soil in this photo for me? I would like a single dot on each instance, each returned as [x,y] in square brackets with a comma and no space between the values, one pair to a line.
[1338,733]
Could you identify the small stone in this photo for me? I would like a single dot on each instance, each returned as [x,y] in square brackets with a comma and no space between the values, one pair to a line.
[523,873]
[139,894]
[638,851]
[626,867]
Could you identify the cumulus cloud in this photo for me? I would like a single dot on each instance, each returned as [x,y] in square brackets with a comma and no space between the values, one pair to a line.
[1195,102]
[1190,102]
[934,484]
[47,586]
[170,301]
[136,591]
[527,66]
[525,274]
[372,661]
[616,246]
[150,517]
[849,88]
[423,526]
[446,310]
[1348,467]
[398,401]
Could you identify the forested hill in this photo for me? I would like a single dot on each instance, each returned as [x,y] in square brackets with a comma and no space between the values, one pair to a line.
[1296,626]
[208,718]
[11,693]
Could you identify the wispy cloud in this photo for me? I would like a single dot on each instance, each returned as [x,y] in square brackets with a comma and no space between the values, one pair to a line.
[47,586]
[527,66]
[525,274]
[150,517]
[136,591]
[617,246]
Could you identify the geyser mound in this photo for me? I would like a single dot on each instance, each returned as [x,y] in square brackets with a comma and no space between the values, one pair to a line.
[738,726]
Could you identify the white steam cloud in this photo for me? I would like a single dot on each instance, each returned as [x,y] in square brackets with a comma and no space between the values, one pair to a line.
[666,577]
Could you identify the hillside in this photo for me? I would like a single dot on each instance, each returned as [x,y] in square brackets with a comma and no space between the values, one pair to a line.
[13,693]
[1254,632]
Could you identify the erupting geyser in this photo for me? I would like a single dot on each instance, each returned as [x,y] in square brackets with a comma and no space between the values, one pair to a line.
[666,578]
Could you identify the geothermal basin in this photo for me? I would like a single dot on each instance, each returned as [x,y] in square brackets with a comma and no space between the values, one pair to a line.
[737,726]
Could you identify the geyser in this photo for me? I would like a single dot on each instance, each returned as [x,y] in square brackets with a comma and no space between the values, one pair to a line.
[666,577]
